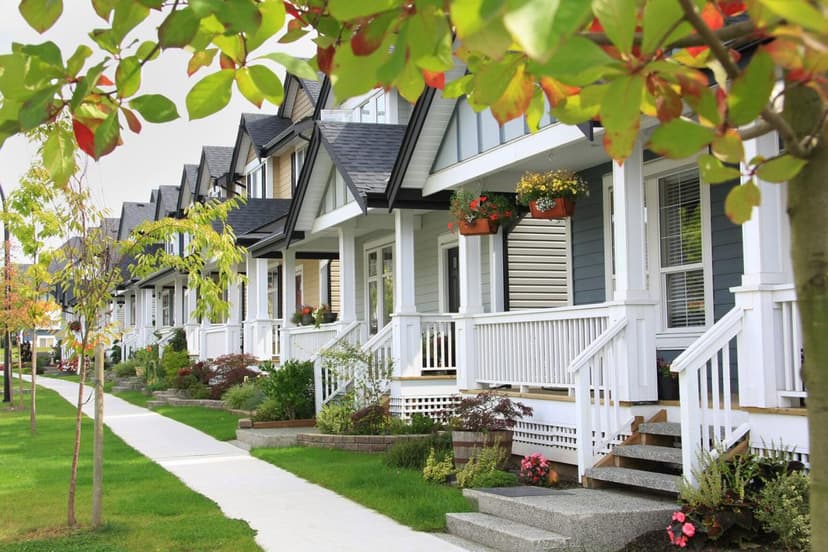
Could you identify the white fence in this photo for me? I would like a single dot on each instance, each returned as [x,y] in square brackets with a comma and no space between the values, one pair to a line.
[215,341]
[307,341]
[791,384]
[439,355]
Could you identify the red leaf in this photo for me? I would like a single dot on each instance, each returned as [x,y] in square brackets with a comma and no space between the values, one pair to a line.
[712,16]
[226,62]
[324,58]
[732,7]
[103,80]
[84,137]
[365,42]
[434,79]
[556,91]
[292,10]
[132,120]
[595,26]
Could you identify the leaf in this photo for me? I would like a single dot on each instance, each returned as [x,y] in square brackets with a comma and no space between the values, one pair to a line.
[800,12]
[434,80]
[458,87]
[680,138]
[232,47]
[268,83]
[659,17]
[59,156]
[539,25]
[620,115]
[107,135]
[248,88]
[741,200]
[239,16]
[490,81]
[582,106]
[132,120]
[780,169]
[515,100]
[128,76]
[578,62]
[103,8]
[534,113]
[75,63]
[346,10]
[37,109]
[154,108]
[410,82]
[273,18]
[41,14]
[84,137]
[295,66]
[728,147]
[369,36]
[201,58]
[751,91]
[210,94]
[128,15]
[618,18]
[714,171]
[556,91]
[178,29]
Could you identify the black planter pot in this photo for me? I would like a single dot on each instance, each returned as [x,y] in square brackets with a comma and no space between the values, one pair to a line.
[329,317]
[668,388]
[307,319]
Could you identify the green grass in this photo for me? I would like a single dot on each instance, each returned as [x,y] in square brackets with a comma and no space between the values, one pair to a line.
[76,379]
[145,507]
[138,398]
[219,424]
[400,494]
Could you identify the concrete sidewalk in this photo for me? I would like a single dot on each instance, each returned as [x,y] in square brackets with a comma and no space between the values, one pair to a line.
[287,512]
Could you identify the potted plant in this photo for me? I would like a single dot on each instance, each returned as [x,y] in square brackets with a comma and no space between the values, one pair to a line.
[484,420]
[479,213]
[551,194]
[668,389]
[323,315]
[307,315]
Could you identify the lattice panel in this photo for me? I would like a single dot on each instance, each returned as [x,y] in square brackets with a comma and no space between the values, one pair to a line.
[794,455]
[436,407]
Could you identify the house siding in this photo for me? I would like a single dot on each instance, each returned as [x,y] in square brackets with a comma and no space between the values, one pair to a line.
[302,107]
[310,282]
[426,261]
[538,264]
[728,258]
[588,275]
[281,178]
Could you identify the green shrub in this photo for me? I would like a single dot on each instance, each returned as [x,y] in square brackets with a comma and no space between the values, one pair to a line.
[198,390]
[173,361]
[125,369]
[439,466]
[157,385]
[178,342]
[335,418]
[481,466]
[413,453]
[371,420]
[497,478]
[268,411]
[115,354]
[246,396]
[782,508]
[420,423]
[43,359]
[292,387]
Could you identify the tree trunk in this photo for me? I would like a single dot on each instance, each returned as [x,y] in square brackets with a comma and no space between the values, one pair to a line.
[807,208]
[10,370]
[73,479]
[33,394]
[97,465]
[19,376]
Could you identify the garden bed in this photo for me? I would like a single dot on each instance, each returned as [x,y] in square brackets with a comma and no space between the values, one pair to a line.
[361,443]
[247,423]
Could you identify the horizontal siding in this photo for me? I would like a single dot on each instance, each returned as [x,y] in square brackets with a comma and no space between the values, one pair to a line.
[538,267]
[728,258]
[588,276]
[336,294]
[302,107]
[426,252]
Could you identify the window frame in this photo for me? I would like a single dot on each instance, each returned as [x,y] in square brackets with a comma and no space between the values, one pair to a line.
[378,246]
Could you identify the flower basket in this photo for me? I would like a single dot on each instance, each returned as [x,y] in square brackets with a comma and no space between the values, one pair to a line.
[477,227]
[560,207]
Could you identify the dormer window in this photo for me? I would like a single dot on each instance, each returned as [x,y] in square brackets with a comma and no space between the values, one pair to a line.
[297,159]
[256,179]
[372,110]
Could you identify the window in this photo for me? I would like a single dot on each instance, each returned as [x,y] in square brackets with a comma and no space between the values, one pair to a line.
[256,180]
[166,308]
[131,300]
[297,159]
[336,194]
[380,287]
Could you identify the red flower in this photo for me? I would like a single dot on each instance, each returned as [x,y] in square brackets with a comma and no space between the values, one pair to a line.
[493,216]
[679,516]
[688,529]
[474,204]
[451,226]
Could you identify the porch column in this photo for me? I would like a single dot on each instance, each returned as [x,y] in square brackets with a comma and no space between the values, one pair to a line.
[471,291]
[263,325]
[406,330]
[178,302]
[232,331]
[767,258]
[192,324]
[288,301]
[637,361]
[248,328]
[347,275]
[147,313]
[496,281]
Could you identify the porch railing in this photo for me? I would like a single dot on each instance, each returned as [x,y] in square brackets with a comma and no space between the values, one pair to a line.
[215,340]
[535,348]
[791,384]
[275,337]
[705,389]
[329,384]
[598,417]
[438,343]
[306,341]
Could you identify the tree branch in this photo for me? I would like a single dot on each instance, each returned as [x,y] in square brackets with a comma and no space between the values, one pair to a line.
[730,32]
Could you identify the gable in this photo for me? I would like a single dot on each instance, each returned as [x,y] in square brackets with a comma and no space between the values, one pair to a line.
[302,106]
[336,193]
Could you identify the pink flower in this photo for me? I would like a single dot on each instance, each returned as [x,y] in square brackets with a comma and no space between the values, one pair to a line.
[678,516]
[688,529]
[681,541]
[670,533]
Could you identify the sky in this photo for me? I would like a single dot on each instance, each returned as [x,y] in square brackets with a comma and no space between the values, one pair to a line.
[156,156]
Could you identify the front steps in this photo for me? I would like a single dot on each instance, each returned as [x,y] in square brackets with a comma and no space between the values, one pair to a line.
[131,383]
[531,519]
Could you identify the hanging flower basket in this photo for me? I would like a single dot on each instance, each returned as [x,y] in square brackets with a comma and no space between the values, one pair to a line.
[478,227]
[555,208]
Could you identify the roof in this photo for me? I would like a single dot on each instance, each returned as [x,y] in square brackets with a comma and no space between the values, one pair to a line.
[364,153]
[133,214]
[313,88]
[253,214]
[217,159]
[262,128]
[167,201]
[190,176]
[110,226]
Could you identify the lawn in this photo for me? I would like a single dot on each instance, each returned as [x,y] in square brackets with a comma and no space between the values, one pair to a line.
[145,507]
[400,494]
[219,424]
[138,398]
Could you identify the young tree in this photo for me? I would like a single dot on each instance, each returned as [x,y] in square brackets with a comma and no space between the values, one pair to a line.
[605,60]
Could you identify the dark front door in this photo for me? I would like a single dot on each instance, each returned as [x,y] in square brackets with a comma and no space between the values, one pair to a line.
[453,263]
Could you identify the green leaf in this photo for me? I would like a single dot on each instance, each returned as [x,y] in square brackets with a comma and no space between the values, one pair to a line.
[429,42]
[85,84]
[210,94]
[104,7]
[516,98]
[393,67]
[59,156]
[411,82]
[178,29]
[539,25]
[155,108]
[106,135]
[491,80]
[37,109]
[800,12]
[273,17]
[780,169]
[248,88]
[128,77]
[346,10]
[231,46]
[354,75]
[621,113]
[201,58]
[128,14]
[534,113]
[680,138]
[493,40]
[580,107]
[458,87]
[659,17]
[41,14]
[578,62]
[75,63]
[728,147]
[295,66]
[203,8]
[714,171]
[618,17]
[750,93]
[268,83]
[147,50]
[239,16]
[741,200]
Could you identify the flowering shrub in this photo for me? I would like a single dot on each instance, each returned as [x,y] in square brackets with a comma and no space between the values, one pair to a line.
[535,470]
[543,187]
[680,529]
[468,207]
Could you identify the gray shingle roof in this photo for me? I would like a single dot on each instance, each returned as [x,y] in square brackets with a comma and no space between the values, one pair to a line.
[364,153]
[133,214]
[313,87]
[263,128]
[218,160]
[167,201]
[191,177]
[255,213]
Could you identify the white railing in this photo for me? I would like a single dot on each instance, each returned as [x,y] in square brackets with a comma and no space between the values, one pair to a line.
[193,338]
[791,385]
[704,370]
[215,341]
[329,383]
[598,417]
[380,350]
[438,343]
[165,334]
[306,341]
[535,348]
[275,337]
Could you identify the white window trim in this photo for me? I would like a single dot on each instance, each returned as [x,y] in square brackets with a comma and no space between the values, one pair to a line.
[376,245]
[253,166]
[300,271]
[323,283]
[444,242]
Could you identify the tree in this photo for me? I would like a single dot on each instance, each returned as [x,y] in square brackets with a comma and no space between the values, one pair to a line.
[605,60]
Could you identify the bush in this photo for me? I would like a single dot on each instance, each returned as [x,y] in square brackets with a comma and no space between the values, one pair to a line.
[115,354]
[125,369]
[292,387]
[268,411]
[226,371]
[782,508]
[439,466]
[495,478]
[173,361]
[199,391]
[420,423]
[409,453]
[246,396]
[371,420]
[335,418]
[43,359]
[474,473]
[178,342]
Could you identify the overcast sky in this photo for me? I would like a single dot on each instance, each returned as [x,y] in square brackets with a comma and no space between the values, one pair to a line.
[145,161]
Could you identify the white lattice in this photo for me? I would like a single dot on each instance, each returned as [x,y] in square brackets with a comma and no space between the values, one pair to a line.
[558,442]
[794,455]
[436,407]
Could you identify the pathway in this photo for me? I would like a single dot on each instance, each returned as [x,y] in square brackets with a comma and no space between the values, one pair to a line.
[287,512]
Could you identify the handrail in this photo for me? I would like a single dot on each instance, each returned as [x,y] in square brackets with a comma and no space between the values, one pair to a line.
[583,358]
[714,338]
[335,339]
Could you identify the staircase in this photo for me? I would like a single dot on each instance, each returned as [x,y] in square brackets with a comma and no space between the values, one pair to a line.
[130,383]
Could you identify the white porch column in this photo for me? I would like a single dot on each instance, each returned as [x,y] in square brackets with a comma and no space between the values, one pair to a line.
[250,308]
[471,302]
[347,275]
[262,324]
[159,309]
[496,280]
[232,331]
[288,301]
[178,302]
[767,258]
[637,362]
[192,325]
[406,330]
[147,327]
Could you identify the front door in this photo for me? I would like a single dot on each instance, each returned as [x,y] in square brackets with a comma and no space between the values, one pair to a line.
[453,277]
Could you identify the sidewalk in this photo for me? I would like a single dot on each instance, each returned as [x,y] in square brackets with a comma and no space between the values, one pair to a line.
[286,512]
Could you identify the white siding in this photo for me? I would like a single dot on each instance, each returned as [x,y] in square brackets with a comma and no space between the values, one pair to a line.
[538,264]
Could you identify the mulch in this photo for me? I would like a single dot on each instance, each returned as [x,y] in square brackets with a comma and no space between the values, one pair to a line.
[657,541]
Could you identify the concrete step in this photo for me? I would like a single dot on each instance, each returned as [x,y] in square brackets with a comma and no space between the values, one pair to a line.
[636,478]
[669,455]
[503,534]
[670,429]
[593,519]
[464,544]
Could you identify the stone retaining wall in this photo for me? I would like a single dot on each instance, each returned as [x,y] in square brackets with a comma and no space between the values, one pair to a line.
[361,443]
